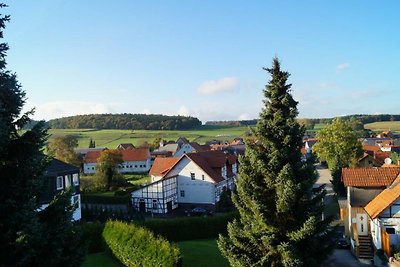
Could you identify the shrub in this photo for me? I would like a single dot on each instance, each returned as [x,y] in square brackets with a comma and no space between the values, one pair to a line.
[100,199]
[137,246]
[190,228]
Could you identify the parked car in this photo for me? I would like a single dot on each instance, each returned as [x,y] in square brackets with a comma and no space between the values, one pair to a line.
[199,212]
[341,241]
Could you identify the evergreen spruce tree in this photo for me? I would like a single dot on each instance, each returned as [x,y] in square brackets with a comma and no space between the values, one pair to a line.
[25,234]
[280,220]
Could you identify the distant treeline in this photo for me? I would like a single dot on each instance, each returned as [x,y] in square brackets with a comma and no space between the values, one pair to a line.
[126,121]
[364,119]
[233,123]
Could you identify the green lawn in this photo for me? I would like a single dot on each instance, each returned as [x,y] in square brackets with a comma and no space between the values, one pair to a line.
[196,253]
[112,138]
[100,260]
[200,253]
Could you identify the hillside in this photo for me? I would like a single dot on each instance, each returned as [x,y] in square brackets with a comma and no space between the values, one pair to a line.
[126,122]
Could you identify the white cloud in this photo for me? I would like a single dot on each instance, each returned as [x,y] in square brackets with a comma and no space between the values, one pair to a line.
[58,109]
[184,111]
[244,116]
[343,66]
[145,111]
[217,86]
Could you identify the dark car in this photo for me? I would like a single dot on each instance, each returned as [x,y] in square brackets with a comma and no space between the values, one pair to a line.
[199,212]
[341,241]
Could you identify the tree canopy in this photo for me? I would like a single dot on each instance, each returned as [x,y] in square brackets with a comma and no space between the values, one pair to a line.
[280,216]
[338,145]
[126,121]
[62,148]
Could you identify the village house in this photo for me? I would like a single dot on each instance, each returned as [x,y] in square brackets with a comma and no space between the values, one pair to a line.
[61,176]
[364,186]
[136,160]
[194,179]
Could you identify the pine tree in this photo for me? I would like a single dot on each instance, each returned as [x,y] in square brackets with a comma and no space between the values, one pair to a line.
[23,230]
[280,216]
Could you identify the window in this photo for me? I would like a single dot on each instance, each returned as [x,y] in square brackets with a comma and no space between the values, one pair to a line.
[390,230]
[202,177]
[76,201]
[67,181]
[92,168]
[135,166]
[75,179]
[182,193]
[60,183]
[154,204]
[193,175]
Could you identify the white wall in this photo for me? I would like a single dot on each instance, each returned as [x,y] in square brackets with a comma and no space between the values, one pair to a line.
[89,168]
[197,191]
[186,148]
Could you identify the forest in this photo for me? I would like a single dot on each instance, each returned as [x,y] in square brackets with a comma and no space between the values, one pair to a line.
[126,121]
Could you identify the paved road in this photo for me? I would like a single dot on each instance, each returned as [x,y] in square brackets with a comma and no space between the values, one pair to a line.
[325,177]
[344,258]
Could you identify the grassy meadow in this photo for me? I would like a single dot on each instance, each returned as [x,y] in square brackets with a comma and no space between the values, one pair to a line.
[393,126]
[112,138]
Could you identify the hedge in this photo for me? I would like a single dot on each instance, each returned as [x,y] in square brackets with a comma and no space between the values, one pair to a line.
[182,229]
[137,246]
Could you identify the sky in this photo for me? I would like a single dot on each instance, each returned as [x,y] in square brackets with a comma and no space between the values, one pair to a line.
[203,58]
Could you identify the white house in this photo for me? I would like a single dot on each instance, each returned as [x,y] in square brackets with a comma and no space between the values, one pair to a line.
[190,148]
[195,179]
[62,176]
[136,160]
[384,214]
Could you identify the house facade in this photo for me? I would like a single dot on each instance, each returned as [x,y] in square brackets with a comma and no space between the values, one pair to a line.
[363,186]
[195,179]
[61,176]
[136,160]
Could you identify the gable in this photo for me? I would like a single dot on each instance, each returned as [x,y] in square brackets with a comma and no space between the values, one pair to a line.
[384,200]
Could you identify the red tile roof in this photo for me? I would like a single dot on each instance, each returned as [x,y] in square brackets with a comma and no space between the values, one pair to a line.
[162,166]
[382,201]
[211,162]
[137,154]
[369,177]
[92,156]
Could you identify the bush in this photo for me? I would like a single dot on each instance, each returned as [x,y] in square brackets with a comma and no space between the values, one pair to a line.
[137,246]
[182,229]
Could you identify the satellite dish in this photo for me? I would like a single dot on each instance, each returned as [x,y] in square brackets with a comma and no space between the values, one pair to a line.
[388,161]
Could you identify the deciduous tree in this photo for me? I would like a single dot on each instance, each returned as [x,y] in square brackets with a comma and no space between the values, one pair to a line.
[62,148]
[339,147]
[107,167]
[280,217]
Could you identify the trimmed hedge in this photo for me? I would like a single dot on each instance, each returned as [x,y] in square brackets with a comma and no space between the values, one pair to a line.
[137,246]
[182,229]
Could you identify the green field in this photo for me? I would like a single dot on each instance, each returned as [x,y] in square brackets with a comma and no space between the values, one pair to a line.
[112,138]
[100,259]
[393,126]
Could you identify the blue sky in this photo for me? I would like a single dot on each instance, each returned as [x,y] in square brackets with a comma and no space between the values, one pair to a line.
[204,58]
